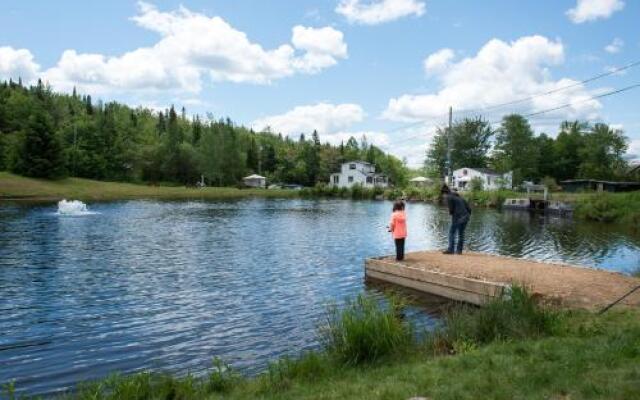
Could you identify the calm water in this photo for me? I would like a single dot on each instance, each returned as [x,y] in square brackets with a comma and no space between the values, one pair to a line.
[170,285]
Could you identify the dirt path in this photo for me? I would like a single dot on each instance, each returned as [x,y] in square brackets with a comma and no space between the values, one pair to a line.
[570,286]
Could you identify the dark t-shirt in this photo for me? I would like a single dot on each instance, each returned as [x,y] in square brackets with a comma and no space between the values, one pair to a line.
[458,208]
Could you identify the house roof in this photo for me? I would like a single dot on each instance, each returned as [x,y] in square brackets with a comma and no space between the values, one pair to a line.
[254,176]
[487,171]
[569,181]
[420,179]
[358,162]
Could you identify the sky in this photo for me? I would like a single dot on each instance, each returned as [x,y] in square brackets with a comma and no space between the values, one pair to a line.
[385,69]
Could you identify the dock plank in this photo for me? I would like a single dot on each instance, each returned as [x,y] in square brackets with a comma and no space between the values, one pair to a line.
[478,277]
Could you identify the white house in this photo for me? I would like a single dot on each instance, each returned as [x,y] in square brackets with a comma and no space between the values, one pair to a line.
[255,181]
[491,180]
[358,173]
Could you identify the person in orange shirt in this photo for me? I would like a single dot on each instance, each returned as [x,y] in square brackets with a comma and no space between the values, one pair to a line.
[398,228]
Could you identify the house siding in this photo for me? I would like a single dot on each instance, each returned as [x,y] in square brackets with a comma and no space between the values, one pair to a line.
[357,173]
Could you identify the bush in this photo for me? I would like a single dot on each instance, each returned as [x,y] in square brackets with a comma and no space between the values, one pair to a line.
[516,315]
[365,330]
[610,207]
[476,184]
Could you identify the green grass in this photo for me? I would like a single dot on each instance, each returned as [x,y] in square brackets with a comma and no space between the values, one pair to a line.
[21,188]
[365,330]
[511,349]
[610,207]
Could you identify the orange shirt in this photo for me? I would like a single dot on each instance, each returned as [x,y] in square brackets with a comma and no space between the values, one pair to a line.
[398,225]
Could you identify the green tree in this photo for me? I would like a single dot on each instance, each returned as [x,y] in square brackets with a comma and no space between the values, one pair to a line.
[471,142]
[516,149]
[42,150]
[602,153]
[568,145]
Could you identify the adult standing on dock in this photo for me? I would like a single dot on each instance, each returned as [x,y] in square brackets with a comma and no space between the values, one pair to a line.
[460,214]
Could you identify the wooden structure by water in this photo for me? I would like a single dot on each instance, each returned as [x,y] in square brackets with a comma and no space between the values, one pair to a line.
[477,278]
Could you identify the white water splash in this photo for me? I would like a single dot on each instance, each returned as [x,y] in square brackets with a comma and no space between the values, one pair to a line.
[73,207]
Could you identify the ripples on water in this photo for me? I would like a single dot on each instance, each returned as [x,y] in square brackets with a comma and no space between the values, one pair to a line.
[170,285]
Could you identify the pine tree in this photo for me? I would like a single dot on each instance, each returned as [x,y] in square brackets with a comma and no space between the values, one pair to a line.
[42,150]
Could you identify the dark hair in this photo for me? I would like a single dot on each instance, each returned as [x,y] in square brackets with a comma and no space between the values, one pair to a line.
[445,189]
[398,205]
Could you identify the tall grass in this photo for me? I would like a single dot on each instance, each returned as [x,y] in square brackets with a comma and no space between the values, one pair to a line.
[610,207]
[356,192]
[516,315]
[366,330]
[147,385]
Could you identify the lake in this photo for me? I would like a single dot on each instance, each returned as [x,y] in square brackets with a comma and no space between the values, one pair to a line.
[170,285]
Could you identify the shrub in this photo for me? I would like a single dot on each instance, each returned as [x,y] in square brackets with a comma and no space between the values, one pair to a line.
[476,184]
[365,330]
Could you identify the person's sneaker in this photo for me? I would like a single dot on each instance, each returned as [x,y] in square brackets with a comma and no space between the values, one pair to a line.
[447,252]
[458,252]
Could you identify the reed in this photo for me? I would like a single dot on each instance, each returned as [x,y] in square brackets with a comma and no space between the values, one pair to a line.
[366,330]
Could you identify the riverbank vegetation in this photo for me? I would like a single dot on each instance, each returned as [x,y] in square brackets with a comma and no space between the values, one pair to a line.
[512,348]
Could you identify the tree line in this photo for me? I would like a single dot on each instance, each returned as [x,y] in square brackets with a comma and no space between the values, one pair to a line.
[579,150]
[52,135]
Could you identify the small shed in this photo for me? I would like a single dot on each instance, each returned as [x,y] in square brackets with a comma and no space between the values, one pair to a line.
[255,181]
[420,181]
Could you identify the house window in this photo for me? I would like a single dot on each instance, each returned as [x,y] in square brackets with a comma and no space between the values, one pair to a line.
[336,179]
[464,172]
[350,179]
[352,166]
[488,180]
[369,179]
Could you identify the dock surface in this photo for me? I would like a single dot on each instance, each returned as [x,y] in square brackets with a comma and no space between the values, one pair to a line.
[477,278]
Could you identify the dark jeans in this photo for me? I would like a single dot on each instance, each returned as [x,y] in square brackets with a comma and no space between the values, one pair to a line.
[457,227]
[399,249]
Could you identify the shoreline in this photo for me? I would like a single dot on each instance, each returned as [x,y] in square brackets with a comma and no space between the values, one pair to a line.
[16,188]
[618,208]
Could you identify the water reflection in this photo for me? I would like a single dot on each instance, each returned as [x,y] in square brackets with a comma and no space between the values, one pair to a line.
[170,285]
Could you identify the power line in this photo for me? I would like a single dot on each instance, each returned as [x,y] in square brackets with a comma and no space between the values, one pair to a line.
[566,105]
[556,90]
[522,100]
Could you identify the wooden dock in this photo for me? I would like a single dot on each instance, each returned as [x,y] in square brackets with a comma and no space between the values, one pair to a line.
[477,278]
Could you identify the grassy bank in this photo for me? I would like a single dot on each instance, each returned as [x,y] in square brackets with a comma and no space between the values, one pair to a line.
[610,207]
[512,348]
[21,188]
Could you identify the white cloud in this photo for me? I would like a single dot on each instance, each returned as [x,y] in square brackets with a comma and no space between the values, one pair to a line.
[634,150]
[324,117]
[378,139]
[591,10]
[17,63]
[193,46]
[323,47]
[500,72]
[332,121]
[378,11]
[615,70]
[615,46]
[439,60]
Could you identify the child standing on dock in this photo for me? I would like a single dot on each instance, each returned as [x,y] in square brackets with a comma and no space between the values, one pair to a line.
[398,228]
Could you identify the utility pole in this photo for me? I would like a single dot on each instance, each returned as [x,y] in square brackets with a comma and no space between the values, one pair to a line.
[449,148]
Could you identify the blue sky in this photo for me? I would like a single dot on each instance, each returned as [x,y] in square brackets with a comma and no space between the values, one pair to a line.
[344,67]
